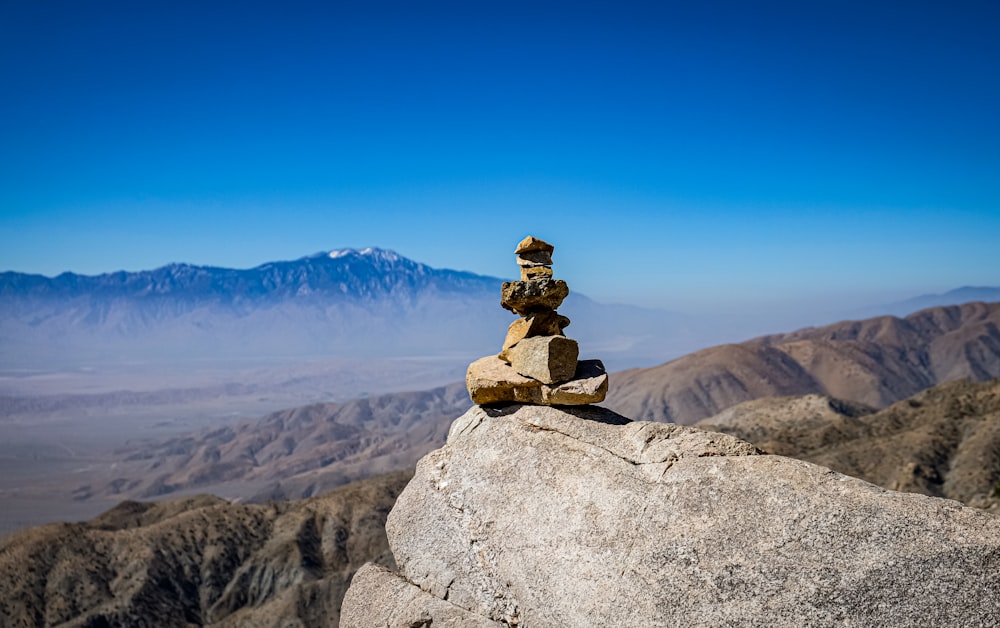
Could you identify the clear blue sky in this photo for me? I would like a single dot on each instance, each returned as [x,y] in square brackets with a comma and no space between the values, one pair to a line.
[679,154]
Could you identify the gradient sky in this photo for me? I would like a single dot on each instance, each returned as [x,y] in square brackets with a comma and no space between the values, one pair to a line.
[678,154]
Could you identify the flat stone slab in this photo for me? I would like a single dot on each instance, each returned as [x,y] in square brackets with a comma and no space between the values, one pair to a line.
[490,380]
[531,243]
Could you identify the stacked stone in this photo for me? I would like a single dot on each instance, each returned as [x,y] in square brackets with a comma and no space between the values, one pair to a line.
[538,364]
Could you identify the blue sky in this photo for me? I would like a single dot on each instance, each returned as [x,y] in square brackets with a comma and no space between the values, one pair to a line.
[678,154]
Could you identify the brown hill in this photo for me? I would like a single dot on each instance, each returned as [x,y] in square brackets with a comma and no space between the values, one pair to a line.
[873,362]
[198,561]
[292,453]
[943,442]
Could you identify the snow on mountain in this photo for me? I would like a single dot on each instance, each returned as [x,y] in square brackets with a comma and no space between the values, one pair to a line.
[344,302]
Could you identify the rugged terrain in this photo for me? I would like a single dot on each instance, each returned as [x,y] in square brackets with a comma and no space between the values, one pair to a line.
[198,561]
[944,441]
[299,452]
[292,453]
[874,362]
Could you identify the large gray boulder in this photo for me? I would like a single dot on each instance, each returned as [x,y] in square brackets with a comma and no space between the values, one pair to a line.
[541,516]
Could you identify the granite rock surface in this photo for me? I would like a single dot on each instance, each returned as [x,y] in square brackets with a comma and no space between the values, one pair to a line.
[538,516]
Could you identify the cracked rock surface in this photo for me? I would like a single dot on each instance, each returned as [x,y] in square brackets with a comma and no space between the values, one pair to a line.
[378,597]
[545,516]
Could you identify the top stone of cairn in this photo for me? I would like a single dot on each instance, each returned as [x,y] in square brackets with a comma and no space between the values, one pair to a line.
[531,243]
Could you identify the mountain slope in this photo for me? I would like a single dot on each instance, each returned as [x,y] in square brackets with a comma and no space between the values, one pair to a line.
[198,561]
[289,454]
[873,362]
[943,442]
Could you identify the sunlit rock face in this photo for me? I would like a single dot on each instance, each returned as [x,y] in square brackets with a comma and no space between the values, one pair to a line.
[544,516]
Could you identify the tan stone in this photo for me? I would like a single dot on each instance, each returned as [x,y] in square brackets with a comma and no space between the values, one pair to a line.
[535,258]
[547,323]
[531,243]
[589,385]
[525,297]
[535,272]
[491,381]
[549,359]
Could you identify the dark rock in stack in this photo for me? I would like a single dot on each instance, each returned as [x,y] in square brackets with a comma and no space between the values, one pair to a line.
[538,364]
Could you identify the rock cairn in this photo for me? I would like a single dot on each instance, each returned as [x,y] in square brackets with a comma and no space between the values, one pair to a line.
[538,364]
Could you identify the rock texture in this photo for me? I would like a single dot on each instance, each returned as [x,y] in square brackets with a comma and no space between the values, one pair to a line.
[875,362]
[379,597]
[198,561]
[543,366]
[943,442]
[549,359]
[535,516]
[535,295]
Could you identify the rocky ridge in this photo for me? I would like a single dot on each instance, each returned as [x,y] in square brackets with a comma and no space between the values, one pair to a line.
[543,516]
[873,362]
[944,441]
[198,561]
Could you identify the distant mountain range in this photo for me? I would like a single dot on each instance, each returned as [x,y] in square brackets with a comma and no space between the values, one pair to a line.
[369,302]
[354,275]
[340,302]
[345,303]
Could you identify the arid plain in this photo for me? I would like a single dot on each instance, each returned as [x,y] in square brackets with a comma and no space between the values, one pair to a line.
[63,428]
